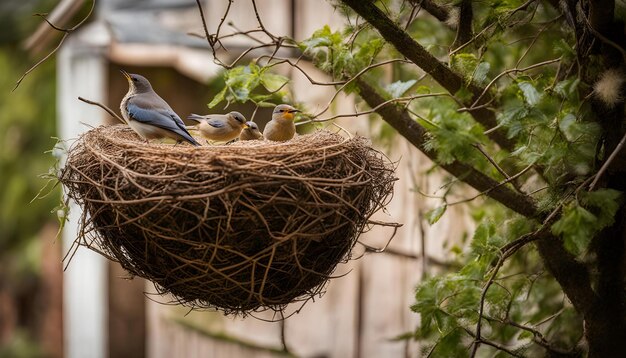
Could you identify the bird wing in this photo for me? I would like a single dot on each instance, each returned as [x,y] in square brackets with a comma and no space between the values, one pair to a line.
[216,123]
[165,119]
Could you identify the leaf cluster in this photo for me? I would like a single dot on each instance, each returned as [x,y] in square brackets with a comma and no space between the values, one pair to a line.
[254,83]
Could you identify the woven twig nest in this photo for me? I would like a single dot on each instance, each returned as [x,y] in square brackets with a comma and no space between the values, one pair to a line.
[241,227]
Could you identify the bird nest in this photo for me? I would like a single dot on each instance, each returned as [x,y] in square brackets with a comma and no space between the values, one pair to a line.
[241,227]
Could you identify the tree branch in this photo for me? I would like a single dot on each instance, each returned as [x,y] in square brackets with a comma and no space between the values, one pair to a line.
[416,134]
[464,28]
[107,109]
[439,12]
[66,33]
[439,71]
[572,275]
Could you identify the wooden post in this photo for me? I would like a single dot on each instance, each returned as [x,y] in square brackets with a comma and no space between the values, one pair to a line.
[82,72]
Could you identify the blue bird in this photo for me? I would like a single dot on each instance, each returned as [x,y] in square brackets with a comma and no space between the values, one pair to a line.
[149,115]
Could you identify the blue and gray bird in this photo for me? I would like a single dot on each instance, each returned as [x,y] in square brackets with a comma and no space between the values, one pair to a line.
[281,127]
[220,127]
[149,115]
[251,133]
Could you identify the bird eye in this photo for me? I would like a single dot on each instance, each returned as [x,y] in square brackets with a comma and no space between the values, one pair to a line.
[134,79]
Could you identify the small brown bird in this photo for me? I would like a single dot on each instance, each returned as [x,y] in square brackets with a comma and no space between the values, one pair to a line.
[281,127]
[220,127]
[251,133]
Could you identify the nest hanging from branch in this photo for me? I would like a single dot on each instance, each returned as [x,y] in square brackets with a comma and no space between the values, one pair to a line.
[242,227]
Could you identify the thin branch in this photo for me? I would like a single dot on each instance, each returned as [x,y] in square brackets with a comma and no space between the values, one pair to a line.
[44,16]
[303,72]
[493,344]
[258,19]
[353,78]
[107,109]
[204,26]
[66,33]
[283,333]
[492,161]
[608,162]
[488,190]
[506,72]
[407,99]
[538,337]
[511,249]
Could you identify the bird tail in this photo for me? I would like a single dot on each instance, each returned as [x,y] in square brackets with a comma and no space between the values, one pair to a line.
[189,138]
[195,117]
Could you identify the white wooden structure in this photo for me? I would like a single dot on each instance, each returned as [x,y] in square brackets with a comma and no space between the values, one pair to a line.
[360,314]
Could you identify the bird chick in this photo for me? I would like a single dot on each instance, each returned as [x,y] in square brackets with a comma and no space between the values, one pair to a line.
[281,127]
[220,127]
[149,115]
[251,133]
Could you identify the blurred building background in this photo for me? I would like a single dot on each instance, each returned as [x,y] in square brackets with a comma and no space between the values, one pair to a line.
[94,309]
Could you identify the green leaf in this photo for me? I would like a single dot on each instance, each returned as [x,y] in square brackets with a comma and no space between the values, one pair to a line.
[531,95]
[218,98]
[562,48]
[398,88]
[525,335]
[432,216]
[483,240]
[465,63]
[242,80]
[480,73]
[273,82]
[577,226]
[567,125]
[265,104]
[568,89]
[606,202]
[323,37]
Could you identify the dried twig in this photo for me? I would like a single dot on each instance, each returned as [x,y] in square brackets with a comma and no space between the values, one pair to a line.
[107,109]
[66,33]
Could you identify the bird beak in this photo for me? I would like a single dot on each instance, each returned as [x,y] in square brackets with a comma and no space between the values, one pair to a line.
[126,75]
[290,113]
[246,126]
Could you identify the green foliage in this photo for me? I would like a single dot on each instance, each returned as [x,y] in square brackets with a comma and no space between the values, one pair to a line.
[398,88]
[583,218]
[531,95]
[432,216]
[333,53]
[452,134]
[21,345]
[27,125]
[252,83]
